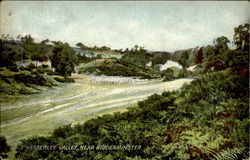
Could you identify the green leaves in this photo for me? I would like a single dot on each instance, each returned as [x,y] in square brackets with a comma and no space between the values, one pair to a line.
[64,59]
[184,59]
[232,154]
[4,147]
[241,37]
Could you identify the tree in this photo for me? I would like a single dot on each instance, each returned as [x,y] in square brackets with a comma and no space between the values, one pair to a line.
[4,147]
[82,46]
[39,57]
[221,44]
[241,37]
[29,39]
[41,53]
[63,59]
[239,58]
[167,74]
[216,57]
[105,48]
[199,57]
[135,48]
[184,60]
[141,49]
[140,59]
[44,41]
[29,46]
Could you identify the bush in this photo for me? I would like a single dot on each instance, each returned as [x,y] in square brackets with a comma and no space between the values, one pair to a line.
[49,72]
[22,68]
[167,75]
[13,68]
[45,66]
[4,147]
[184,73]
[139,59]
[30,67]
[37,79]
[42,70]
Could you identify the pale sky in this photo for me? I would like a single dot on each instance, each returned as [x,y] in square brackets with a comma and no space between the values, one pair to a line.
[161,26]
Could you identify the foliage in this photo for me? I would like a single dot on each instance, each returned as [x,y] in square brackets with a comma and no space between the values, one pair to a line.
[199,57]
[30,66]
[161,58]
[95,48]
[136,58]
[11,53]
[167,74]
[39,57]
[39,79]
[4,147]
[64,59]
[116,67]
[219,56]
[233,154]
[184,73]
[23,82]
[184,60]
[241,37]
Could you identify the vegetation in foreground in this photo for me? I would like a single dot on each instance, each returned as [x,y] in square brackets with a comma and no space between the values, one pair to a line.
[174,125]
[4,147]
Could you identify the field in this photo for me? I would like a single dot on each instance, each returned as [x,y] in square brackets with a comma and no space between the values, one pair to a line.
[72,103]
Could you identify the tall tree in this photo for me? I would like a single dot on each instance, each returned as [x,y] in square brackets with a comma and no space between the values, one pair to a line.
[82,46]
[239,58]
[241,37]
[29,46]
[63,59]
[199,57]
[184,60]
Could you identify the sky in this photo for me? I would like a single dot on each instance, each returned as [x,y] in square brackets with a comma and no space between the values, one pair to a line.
[158,26]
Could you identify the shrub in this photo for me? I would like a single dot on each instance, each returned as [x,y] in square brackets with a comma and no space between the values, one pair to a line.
[30,67]
[13,68]
[184,73]
[4,147]
[37,79]
[167,75]
[22,68]
[45,66]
